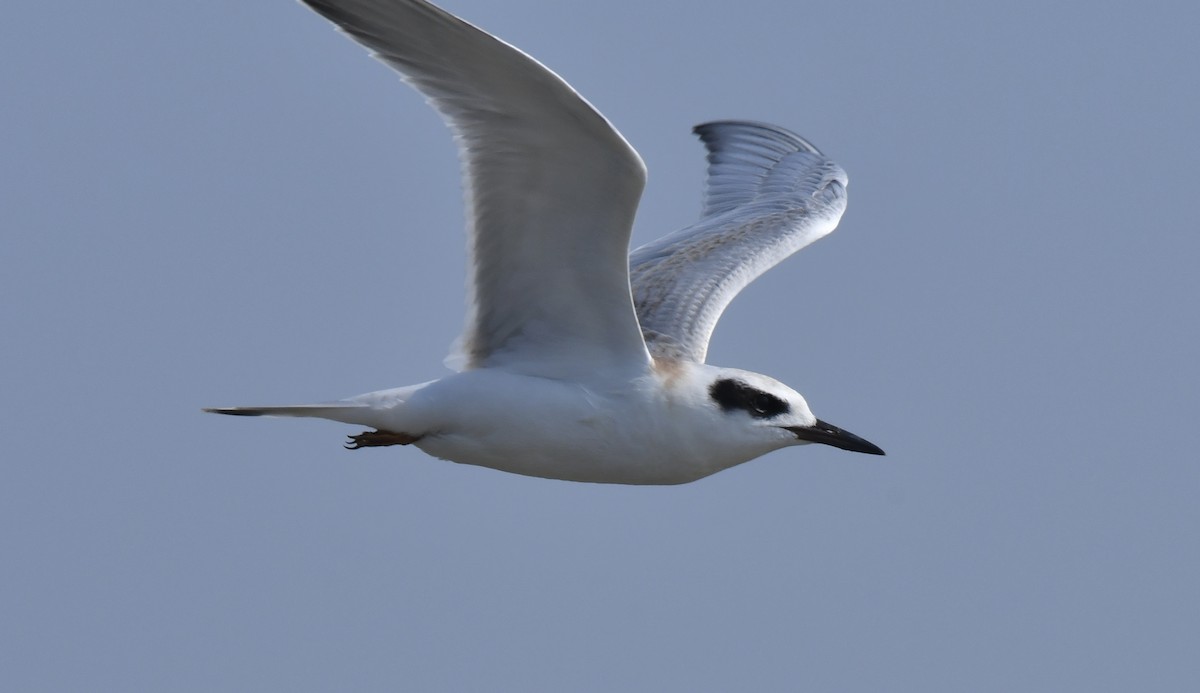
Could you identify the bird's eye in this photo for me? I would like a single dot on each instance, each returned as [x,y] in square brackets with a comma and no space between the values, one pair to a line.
[762,403]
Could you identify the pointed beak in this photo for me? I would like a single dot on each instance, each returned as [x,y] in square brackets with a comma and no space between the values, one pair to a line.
[828,434]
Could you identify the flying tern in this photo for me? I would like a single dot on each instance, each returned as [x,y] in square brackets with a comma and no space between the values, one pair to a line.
[580,360]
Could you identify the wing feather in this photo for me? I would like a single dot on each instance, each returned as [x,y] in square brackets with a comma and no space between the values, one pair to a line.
[551,190]
[768,194]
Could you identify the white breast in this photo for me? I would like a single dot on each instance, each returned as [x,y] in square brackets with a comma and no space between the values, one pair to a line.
[640,431]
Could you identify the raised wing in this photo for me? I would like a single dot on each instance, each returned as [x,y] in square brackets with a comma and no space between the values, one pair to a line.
[551,191]
[769,193]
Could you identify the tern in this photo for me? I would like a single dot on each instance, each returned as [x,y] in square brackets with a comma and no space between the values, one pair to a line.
[580,360]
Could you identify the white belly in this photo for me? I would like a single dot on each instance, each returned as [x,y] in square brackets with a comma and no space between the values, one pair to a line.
[547,428]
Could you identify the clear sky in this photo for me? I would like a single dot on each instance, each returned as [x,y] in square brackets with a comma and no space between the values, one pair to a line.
[227,203]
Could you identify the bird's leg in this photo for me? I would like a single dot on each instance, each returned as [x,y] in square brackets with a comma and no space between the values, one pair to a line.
[377,439]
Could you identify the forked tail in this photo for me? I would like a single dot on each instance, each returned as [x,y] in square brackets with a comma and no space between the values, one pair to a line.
[346,412]
[379,409]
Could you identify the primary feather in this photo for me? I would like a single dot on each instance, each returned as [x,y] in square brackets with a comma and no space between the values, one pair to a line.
[768,194]
[551,191]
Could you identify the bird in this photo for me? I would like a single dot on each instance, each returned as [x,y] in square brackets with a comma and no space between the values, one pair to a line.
[580,360]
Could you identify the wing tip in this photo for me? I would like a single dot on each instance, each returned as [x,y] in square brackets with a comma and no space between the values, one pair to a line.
[713,131]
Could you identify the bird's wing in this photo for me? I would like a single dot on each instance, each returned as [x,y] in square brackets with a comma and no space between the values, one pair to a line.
[551,191]
[768,194]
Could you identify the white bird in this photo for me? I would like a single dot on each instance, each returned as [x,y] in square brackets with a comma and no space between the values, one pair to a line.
[580,360]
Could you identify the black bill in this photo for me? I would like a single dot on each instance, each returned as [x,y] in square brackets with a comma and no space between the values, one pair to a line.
[828,434]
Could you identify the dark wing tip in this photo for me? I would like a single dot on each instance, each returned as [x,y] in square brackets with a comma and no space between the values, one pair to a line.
[717,133]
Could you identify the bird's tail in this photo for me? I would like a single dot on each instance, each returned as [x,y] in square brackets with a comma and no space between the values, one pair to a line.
[346,412]
[381,409]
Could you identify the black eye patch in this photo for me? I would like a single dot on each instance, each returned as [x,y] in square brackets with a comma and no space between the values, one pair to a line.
[735,394]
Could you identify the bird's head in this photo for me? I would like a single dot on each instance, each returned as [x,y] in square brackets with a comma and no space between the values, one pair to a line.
[766,411]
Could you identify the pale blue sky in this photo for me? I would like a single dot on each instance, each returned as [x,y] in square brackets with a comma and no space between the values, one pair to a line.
[227,203]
